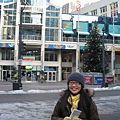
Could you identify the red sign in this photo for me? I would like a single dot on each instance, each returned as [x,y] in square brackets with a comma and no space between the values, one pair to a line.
[109,80]
[88,79]
[28,58]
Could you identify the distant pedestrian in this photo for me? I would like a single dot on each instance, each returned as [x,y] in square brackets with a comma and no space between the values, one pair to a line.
[8,76]
[75,97]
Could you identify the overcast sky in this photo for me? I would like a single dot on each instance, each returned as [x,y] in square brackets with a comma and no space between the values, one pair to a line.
[61,2]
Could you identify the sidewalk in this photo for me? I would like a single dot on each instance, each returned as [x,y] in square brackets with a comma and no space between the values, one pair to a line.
[34,85]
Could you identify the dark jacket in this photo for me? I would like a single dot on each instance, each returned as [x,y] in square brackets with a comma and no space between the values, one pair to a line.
[86,105]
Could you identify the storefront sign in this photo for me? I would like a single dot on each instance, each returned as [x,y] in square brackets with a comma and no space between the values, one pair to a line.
[29,67]
[28,58]
[7,45]
[65,46]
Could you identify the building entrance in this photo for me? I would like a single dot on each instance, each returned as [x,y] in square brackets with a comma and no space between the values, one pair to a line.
[50,76]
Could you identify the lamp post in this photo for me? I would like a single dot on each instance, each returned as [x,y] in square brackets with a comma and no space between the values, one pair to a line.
[113,47]
[78,5]
[19,50]
[71,20]
[103,59]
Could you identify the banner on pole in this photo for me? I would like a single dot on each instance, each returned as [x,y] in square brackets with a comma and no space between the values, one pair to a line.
[78,5]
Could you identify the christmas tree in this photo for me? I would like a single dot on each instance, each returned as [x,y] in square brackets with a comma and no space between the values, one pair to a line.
[92,53]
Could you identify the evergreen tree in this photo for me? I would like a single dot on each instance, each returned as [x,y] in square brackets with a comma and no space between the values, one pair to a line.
[92,53]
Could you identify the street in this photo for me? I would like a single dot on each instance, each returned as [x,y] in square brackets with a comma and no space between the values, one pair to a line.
[39,106]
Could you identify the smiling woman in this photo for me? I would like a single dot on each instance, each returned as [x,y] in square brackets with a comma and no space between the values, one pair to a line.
[75,97]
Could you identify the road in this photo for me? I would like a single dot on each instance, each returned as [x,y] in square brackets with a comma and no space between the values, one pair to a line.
[30,104]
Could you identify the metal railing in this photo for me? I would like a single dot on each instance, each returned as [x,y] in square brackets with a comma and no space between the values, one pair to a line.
[70,39]
[31,37]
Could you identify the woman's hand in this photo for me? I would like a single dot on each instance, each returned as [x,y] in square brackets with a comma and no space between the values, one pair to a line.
[67,118]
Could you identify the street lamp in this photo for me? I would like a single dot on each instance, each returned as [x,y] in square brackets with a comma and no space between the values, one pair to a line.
[103,59]
[113,47]
[71,20]
[18,86]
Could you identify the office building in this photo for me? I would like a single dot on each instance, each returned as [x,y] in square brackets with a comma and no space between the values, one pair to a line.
[101,8]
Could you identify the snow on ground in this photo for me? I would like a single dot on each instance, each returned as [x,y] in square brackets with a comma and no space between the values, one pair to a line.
[42,110]
[53,91]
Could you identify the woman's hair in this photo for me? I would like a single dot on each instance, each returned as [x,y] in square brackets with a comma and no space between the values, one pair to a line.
[85,102]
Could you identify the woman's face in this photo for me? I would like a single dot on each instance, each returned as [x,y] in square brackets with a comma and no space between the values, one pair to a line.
[74,87]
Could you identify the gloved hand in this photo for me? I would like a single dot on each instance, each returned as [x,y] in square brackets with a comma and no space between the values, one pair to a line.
[76,119]
[67,118]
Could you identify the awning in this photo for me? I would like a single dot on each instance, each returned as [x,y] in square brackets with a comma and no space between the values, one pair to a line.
[83,33]
[102,34]
[68,32]
[116,35]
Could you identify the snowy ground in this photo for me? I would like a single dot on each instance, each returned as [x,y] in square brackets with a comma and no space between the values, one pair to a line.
[42,110]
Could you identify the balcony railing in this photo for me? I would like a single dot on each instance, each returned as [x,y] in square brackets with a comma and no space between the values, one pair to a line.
[31,37]
[70,39]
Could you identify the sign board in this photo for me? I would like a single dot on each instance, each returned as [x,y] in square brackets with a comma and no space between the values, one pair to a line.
[88,79]
[19,61]
[29,67]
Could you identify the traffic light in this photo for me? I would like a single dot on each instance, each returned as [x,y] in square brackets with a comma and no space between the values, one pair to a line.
[75,33]
[23,47]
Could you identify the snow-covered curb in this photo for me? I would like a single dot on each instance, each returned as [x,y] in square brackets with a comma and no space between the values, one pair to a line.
[53,91]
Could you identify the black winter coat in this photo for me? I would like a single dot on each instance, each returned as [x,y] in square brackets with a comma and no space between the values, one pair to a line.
[86,105]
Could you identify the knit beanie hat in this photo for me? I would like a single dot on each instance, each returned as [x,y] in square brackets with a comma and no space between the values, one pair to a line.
[76,77]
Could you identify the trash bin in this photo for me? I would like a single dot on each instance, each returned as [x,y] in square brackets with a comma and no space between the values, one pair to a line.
[106,84]
[15,86]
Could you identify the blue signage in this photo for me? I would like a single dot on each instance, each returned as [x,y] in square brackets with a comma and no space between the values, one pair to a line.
[100,27]
[67,25]
[83,26]
[98,80]
[55,46]
[116,29]
[7,45]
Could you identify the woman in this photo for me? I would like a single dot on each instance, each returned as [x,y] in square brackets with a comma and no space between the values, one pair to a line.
[75,97]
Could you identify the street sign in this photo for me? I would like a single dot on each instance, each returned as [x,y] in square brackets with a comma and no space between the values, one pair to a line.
[19,61]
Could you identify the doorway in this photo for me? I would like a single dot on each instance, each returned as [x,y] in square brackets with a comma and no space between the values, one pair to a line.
[51,76]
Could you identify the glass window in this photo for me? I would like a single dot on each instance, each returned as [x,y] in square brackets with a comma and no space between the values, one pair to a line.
[51,55]
[6,1]
[51,35]
[11,6]
[1,0]
[53,8]
[52,22]
[7,54]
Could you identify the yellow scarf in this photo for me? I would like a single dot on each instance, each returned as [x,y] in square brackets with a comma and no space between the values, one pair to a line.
[73,100]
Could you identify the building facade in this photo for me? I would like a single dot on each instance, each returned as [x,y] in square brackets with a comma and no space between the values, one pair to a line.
[48,35]
[102,8]
[40,26]
[68,8]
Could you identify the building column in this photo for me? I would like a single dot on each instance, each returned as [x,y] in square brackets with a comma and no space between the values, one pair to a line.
[59,67]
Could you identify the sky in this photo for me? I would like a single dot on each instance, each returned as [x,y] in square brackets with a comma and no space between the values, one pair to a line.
[62,2]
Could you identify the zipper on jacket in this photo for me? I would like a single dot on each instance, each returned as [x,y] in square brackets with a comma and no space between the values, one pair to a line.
[68,109]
